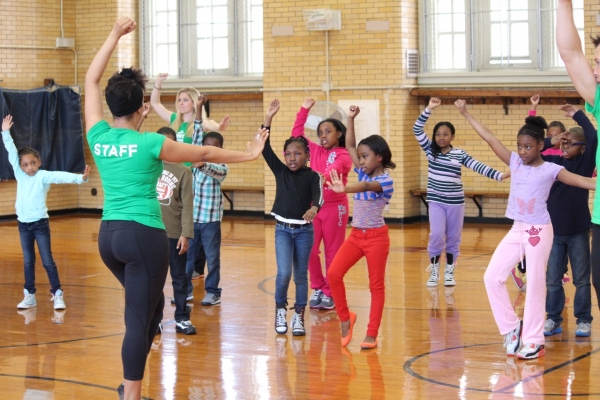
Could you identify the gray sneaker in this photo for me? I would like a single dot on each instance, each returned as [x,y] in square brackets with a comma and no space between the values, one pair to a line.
[211,299]
[326,303]
[28,301]
[584,329]
[315,299]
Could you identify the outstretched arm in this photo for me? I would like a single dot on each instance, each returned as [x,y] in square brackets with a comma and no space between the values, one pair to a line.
[337,185]
[161,110]
[570,49]
[501,151]
[572,179]
[93,94]
[351,137]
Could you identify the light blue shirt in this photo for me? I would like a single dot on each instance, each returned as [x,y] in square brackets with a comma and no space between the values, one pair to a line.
[31,190]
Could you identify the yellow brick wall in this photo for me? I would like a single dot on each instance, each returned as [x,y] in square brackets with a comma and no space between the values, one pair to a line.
[363,65]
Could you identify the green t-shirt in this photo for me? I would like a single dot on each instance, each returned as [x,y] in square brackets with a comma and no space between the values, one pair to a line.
[596,111]
[181,134]
[129,168]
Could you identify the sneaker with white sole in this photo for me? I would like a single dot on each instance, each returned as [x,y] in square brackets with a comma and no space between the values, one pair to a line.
[185,327]
[449,275]
[326,303]
[551,328]
[298,322]
[434,274]
[59,302]
[531,350]
[28,301]
[211,299]
[584,329]
[281,319]
[315,299]
[512,340]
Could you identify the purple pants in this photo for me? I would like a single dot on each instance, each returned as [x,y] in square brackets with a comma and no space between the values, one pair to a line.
[446,224]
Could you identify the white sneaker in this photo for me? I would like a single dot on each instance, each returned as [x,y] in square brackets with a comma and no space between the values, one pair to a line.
[449,275]
[434,274]
[531,351]
[512,340]
[28,301]
[281,320]
[57,298]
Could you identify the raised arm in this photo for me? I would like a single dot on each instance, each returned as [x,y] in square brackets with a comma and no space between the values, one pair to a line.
[496,145]
[351,136]
[582,120]
[301,117]
[418,127]
[570,49]
[161,110]
[93,94]
[271,111]
[572,179]
[535,101]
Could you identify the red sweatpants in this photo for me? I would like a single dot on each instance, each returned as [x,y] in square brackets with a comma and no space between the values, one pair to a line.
[374,244]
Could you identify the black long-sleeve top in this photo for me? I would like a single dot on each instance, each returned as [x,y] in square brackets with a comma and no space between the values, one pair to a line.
[568,205]
[296,191]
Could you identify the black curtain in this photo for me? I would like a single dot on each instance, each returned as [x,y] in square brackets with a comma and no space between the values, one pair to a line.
[47,119]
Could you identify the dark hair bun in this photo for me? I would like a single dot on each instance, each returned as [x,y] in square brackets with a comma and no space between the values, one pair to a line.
[128,73]
[537,121]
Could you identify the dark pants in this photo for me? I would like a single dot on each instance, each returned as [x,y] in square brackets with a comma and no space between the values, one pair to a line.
[577,248]
[596,260]
[38,231]
[207,239]
[196,259]
[177,267]
[138,256]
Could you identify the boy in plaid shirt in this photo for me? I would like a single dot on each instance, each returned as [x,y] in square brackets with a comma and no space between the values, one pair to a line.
[208,213]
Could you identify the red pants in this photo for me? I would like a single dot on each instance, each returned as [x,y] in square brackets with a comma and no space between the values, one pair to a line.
[374,244]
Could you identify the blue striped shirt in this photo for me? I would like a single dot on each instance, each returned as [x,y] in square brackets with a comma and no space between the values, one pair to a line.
[444,183]
[368,206]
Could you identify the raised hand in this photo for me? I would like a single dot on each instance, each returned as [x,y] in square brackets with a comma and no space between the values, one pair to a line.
[308,103]
[461,105]
[353,111]
[123,26]
[535,100]
[433,103]
[86,173]
[224,123]
[569,110]
[256,147]
[161,77]
[7,123]
[336,183]
[273,108]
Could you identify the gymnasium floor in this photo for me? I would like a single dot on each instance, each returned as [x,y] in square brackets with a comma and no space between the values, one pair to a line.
[433,344]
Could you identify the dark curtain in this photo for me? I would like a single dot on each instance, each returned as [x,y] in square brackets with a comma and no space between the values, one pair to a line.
[49,120]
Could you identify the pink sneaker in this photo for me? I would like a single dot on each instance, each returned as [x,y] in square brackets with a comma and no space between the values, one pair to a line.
[566,278]
[519,277]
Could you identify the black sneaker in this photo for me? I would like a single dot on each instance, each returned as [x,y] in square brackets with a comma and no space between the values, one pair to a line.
[280,319]
[121,391]
[298,322]
[185,327]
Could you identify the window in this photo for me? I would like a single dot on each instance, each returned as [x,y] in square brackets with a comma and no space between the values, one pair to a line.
[488,35]
[202,37]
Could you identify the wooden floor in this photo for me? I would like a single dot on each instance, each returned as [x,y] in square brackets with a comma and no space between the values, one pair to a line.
[434,344]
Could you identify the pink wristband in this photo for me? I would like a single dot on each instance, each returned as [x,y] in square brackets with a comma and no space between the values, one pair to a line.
[532,113]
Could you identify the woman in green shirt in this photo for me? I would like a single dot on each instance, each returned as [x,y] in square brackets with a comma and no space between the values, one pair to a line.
[132,241]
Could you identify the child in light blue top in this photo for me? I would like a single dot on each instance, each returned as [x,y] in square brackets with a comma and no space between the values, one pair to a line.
[32,214]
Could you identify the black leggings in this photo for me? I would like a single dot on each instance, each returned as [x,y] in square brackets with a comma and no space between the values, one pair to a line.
[138,256]
[596,260]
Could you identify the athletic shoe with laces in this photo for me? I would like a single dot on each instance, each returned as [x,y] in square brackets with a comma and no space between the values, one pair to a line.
[530,351]
[326,303]
[551,328]
[281,319]
[434,274]
[512,340]
[449,275]
[59,302]
[584,329]
[211,299]
[315,299]
[185,327]
[298,322]
[28,301]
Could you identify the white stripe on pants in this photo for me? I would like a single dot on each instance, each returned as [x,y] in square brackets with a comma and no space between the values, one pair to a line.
[516,244]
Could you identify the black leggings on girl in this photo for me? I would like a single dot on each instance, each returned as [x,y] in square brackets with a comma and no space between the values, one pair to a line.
[138,256]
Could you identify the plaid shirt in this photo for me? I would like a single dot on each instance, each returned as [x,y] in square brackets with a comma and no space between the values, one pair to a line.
[208,200]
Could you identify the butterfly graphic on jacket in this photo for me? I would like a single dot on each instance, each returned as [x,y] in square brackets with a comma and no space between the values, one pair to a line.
[526,207]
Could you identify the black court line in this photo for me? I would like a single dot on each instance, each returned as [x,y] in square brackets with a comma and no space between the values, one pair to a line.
[13,346]
[45,378]
[407,368]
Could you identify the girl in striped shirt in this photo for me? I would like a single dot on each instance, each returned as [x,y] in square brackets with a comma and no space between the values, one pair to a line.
[369,236]
[445,192]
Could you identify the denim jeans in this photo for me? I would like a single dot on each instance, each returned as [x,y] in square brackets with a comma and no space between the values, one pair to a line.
[207,239]
[577,248]
[292,250]
[180,288]
[38,231]
[196,259]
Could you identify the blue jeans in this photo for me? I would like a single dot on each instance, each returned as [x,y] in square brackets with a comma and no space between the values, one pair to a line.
[207,238]
[577,248]
[292,249]
[38,231]
[180,289]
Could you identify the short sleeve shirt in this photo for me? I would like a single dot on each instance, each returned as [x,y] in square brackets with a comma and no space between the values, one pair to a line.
[368,206]
[129,166]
